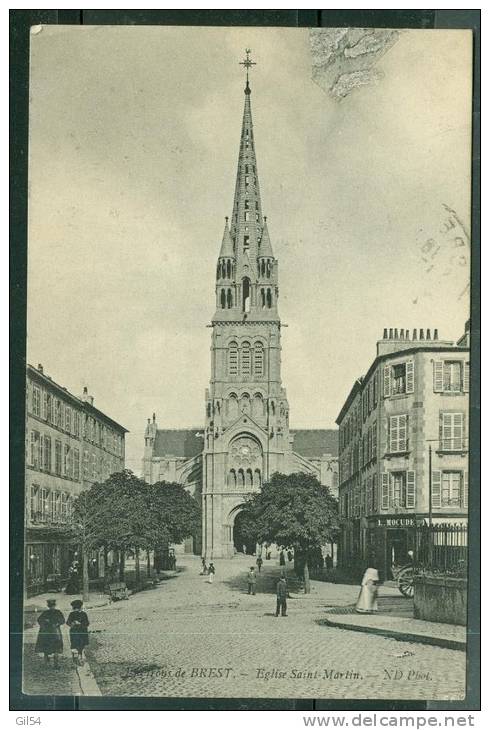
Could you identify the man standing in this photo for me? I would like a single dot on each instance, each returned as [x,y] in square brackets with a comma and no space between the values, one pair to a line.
[251,581]
[259,562]
[281,593]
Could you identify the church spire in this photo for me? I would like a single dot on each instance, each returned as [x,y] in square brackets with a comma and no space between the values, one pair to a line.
[227,244]
[246,221]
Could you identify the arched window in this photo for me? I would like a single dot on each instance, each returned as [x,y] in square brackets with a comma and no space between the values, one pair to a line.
[233,358]
[245,403]
[259,359]
[258,405]
[246,294]
[223,269]
[218,270]
[246,360]
[233,406]
[249,482]
[268,268]
[223,299]
[269,299]
[232,478]
[240,479]
[229,299]
[273,408]
[228,269]
[257,479]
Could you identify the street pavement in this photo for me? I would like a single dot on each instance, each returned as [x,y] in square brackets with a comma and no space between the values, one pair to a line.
[189,638]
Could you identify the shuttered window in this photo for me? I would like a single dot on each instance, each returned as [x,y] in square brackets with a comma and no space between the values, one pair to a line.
[451,489]
[451,376]
[410,489]
[375,492]
[374,440]
[399,379]
[465,489]
[385,490]
[466,377]
[436,489]
[451,431]
[36,401]
[398,433]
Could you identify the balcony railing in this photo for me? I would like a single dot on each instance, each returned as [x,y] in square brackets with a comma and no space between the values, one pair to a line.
[47,518]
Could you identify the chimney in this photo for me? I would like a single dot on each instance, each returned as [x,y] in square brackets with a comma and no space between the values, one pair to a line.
[427,336]
[436,334]
[385,334]
[421,334]
[414,336]
[86,397]
[40,368]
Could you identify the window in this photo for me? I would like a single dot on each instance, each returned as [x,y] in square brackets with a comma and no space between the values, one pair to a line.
[233,359]
[57,458]
[68,419]
[246,293]
[45,504]
[56,506]
[398,489]
[47,453]
[374,440]
[36,401]
[246,242]
[398,379]
[76,465]
[35,449]
[64,507]
[76,424]
[247,205]
[94,466]
[449,489]
[246,360]
[451,376]
[45,404]
[398,433]
[67,461]
[34,502]
[86,464]
[57,412]
[451,431]
[258,359]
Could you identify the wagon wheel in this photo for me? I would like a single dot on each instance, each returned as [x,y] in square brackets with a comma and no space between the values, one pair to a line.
[405,582]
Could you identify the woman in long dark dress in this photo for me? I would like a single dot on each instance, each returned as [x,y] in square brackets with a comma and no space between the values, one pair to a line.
[49,640]
[78,623]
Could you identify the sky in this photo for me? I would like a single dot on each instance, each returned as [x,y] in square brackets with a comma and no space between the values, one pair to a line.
[134,135]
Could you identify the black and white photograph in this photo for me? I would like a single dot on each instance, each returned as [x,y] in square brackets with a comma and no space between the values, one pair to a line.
[247,424]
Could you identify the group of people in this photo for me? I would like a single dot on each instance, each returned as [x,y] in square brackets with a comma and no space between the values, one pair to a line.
[50,639]
[208,570]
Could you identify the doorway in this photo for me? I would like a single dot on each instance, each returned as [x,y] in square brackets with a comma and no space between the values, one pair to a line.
[243,534]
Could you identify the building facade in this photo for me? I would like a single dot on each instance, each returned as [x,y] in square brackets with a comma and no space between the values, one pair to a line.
[403,447]
[246,436]
[70,444]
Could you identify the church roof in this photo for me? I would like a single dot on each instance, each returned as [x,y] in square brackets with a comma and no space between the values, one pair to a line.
[178,442]
[184,443]
[315,442]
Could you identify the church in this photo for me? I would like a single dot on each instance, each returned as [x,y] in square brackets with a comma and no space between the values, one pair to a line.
[246,435]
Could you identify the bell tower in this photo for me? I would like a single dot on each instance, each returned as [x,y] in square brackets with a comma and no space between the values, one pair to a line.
[247,412]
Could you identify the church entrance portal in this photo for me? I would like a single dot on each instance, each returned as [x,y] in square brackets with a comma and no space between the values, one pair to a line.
[241,534]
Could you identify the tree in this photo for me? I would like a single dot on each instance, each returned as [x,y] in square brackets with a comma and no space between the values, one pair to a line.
[294,511]
[171,514]
[111,514]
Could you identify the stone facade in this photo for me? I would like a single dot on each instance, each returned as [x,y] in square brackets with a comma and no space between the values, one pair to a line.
[409,408]
[70,444]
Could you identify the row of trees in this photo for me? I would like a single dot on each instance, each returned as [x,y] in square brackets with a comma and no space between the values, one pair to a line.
[294,511]
[124,513]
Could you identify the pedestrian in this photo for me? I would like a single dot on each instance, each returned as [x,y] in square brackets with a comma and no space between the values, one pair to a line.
[204,567]
[72,585]
[78,623]
[49,639]
[290,555]
[281,593]
[251,581]
[367,601]
[328,562]
[244,549]
[211,572]
[259,562]
[282,559]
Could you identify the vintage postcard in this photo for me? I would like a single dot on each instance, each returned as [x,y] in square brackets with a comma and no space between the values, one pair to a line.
[247,420]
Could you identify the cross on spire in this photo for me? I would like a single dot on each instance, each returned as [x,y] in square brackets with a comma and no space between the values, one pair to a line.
[247,62]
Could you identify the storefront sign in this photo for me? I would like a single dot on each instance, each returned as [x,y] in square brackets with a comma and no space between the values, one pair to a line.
[396,522]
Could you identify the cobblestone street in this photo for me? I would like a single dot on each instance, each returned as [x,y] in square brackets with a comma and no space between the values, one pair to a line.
[189,638]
